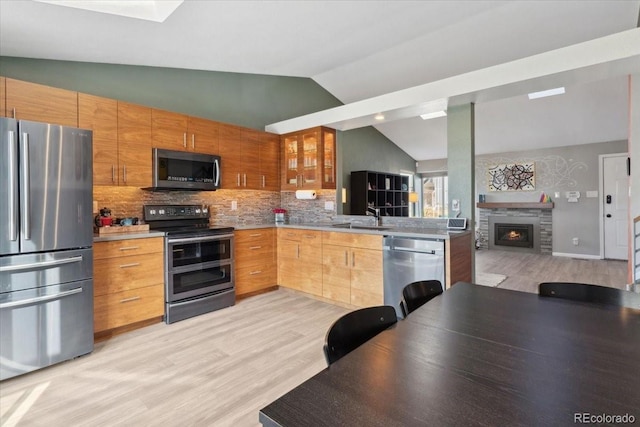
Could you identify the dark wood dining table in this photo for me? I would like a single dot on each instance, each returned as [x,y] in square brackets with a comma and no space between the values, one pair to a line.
[477,355]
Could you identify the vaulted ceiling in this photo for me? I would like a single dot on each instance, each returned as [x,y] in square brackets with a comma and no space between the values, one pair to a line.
[358,50]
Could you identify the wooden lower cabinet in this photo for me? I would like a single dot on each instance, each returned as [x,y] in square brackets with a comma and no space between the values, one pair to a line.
[352,268]
[128,282]
[255,260]
[300,260]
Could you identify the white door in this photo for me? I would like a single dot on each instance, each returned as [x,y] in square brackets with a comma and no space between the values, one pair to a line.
[615,199]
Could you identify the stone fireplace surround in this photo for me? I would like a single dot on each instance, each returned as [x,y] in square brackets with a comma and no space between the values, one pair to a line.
[542,231]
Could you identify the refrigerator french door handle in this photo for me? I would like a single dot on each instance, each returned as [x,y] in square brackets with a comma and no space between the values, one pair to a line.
[13,187]
[42,264]
[30,301]
[26,214]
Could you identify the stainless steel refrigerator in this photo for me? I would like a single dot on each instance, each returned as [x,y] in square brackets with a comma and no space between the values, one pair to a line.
[46,238]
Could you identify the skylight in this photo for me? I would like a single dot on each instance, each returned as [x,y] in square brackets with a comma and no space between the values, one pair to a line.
[150,10]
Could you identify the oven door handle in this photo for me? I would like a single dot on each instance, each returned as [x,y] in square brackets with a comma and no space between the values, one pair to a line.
[200,239]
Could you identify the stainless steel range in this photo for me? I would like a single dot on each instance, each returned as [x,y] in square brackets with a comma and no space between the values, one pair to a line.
[198,270]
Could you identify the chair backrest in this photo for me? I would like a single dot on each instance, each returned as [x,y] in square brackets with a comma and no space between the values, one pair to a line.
[416,294]
[355,328]
[590,293]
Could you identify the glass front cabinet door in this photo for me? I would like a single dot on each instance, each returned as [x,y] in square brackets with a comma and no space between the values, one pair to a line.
[308,159]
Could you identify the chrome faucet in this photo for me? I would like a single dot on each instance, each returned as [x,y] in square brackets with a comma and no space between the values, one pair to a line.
[374,212]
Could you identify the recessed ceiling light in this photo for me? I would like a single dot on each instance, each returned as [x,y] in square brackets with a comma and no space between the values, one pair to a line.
[150,10]
[433,115]
[544,93]
[379,116]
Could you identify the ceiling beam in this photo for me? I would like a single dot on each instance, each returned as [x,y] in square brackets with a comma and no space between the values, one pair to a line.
[602,58]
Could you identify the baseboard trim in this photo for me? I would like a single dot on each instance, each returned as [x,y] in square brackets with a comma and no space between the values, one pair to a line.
[581,256]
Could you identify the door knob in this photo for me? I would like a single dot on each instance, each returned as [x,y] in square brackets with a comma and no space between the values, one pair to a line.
[608,215]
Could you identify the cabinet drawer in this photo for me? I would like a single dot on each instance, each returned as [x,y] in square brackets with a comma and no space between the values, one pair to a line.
[300,235]
[124,273]
[253,279]
[254,251]
[123,308]
[257,235]
[254,260]
[354,240]
[119,248]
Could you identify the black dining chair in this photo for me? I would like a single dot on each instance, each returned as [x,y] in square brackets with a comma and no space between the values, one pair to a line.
[416,294]
[590,293]
[355,328]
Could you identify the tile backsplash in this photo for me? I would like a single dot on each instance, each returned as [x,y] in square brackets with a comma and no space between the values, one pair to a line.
[253,206]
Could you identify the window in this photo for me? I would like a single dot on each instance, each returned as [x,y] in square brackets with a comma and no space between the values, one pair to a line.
[435,196]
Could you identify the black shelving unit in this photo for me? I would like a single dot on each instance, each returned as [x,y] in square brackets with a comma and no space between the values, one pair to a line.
[385,191]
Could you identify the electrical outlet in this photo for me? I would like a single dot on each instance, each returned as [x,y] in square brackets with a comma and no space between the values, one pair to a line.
[455,205]
[576,241]
[234,205]
[328,205]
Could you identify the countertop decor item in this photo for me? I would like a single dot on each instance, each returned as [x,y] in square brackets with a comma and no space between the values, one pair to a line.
[279,214]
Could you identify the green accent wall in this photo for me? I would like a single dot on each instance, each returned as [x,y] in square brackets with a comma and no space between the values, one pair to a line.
[248,100]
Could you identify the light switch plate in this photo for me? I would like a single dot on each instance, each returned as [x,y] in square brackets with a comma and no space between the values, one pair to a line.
[592,193]
[234,205]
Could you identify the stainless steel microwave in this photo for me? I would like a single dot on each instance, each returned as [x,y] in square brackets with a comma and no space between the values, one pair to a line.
[182,170]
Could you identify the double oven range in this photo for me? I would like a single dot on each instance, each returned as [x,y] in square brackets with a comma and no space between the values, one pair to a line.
[198,258]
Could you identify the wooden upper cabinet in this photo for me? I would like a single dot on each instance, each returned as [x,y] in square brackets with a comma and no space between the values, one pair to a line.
[229,137]
[308,159]
[270,162]
[30,101]
[203,136]
[169,130]
[239,151]
[101,115]
[3,97]
[134,145]
[173,131]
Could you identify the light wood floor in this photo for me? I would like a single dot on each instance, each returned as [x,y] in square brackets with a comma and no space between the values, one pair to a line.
[219,369]
[525,271]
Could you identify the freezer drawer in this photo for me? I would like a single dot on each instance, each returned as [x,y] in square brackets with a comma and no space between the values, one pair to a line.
[43,326]
[22,272]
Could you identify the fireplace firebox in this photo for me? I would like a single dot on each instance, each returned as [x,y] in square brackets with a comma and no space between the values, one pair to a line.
[515,235]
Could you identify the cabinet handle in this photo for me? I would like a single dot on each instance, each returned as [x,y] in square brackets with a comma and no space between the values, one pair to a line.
[193,141]
[346,258]
[255,247]
[113,173]
[133,264]
[298,254]
[124,173]
[129,248]
[255,235]
[244,179]
[129,299]
[264,181]
[238,179]
[184,140]
[13,112]
[253,273]
[353,259]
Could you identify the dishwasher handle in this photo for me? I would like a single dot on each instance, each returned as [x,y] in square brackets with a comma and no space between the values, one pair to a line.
[411,250]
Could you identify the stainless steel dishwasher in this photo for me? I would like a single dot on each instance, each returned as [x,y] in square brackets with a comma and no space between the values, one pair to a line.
[408,260]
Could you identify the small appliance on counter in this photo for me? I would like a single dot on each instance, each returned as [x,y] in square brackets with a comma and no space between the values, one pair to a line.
[104,218]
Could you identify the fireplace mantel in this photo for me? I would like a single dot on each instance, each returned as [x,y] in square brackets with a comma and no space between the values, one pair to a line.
[515,205]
